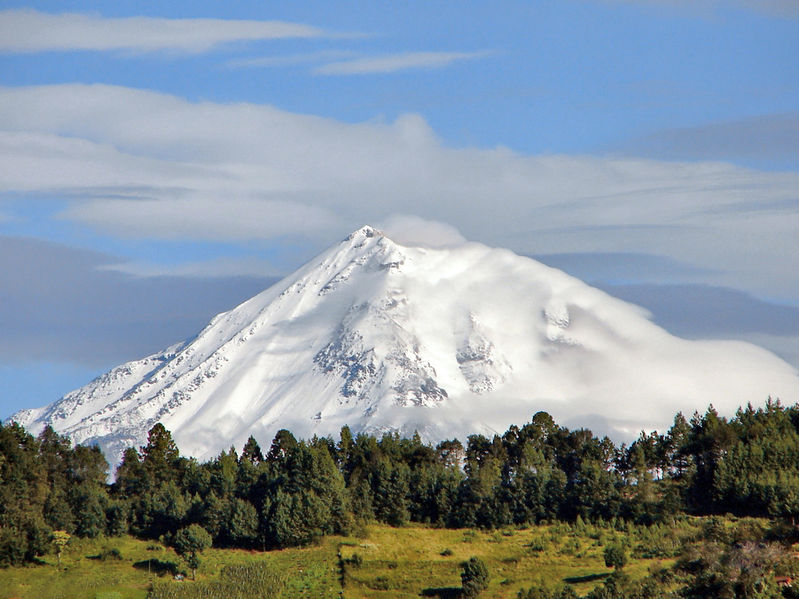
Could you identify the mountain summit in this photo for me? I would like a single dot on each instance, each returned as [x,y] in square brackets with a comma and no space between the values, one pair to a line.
[447,341]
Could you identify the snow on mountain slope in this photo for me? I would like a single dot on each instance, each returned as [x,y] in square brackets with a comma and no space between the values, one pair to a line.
[448,341]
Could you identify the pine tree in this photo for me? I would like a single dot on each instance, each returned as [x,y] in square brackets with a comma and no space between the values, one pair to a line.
[159,457]
[252,451]
[242,523]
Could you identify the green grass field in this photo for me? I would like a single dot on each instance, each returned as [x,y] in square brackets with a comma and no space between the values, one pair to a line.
[410,561]
[391,563]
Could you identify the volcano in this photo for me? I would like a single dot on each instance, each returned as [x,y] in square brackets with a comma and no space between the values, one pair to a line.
[446,341]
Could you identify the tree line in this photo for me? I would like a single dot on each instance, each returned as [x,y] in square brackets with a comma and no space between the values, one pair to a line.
[300,490]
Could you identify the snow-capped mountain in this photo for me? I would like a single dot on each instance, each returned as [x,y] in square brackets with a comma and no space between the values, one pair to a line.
[448,341]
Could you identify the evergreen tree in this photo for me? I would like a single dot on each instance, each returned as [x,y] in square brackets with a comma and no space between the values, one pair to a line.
[282,445]
[91,516]
[159,457]
[450,453]
[344,449]
[390,484]
[130,477]
[213,515]
[24,534]
[242,523]
[252,451]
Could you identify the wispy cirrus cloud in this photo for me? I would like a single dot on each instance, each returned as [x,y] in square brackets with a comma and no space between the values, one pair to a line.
[290,59]
[28,31]
[248,266]
[759,139]
[781,8]
[788,8]
[147,165]
[391,63]
[348,62]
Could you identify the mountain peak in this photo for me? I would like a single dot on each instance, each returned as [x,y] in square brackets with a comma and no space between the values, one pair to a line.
[359,237]
[365,232]
[449,342]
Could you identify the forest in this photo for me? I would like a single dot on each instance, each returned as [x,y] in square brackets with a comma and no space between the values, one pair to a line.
[299,491]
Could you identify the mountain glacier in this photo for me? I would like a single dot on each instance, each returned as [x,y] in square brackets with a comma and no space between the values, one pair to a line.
[447,341]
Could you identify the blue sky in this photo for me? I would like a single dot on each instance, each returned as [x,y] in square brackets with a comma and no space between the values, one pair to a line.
[159,164]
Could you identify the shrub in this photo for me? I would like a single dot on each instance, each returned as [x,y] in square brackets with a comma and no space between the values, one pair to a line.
[474,577]
[537,545]
[355,560]
[615,557]
[111,554]
[380,583]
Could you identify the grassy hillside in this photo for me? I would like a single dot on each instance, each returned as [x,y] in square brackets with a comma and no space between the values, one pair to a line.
[384,562]
[412,560]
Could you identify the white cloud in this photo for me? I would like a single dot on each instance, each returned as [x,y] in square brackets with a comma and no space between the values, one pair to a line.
[412,230]
[290,59]
[788,8]
[391,63]
[773,137]
[145,164]
[33,31]
[782,8]
[209,269]
[200,216]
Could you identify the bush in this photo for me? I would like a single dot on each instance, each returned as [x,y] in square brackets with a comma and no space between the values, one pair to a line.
[356,561]
[537,545]
[615,557]
[474,577]
[380,583]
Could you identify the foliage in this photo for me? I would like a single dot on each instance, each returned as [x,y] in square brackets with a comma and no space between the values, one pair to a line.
[60,540]
[565,592]
[615,557]
[44,483]
[303,490]
[744,570]
[475,577]
[189,543]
